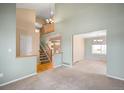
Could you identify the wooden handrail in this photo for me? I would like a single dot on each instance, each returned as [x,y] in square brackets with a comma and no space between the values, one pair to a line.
[47,50]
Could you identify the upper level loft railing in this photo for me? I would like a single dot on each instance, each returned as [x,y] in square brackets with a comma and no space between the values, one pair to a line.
[47,28]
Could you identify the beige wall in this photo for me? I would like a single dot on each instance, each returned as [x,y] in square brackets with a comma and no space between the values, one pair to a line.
[78,48]
[25,20]
[37,44]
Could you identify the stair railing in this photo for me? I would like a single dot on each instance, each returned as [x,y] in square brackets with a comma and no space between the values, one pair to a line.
[47,50]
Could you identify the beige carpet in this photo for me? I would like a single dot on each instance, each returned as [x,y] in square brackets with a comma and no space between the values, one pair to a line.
[82,76]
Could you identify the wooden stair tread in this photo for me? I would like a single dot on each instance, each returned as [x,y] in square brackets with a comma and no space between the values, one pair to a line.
[44,60]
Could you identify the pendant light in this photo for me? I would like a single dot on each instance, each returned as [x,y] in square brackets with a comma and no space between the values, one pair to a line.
[51,13]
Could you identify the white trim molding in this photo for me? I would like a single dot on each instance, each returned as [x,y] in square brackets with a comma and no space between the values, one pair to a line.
[114,77]
[57,66]
[67,65]
[33,74]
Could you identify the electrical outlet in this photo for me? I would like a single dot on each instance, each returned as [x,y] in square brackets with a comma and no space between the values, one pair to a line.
[1,75]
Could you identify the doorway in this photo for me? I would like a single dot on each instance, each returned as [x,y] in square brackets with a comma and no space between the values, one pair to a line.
[90,50]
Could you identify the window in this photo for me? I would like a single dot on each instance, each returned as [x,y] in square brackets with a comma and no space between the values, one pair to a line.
[99,49]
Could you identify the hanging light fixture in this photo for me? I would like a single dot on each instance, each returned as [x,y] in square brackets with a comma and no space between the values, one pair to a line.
[51,13]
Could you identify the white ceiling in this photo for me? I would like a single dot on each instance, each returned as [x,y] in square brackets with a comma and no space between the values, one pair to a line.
[93,34]
[42,9]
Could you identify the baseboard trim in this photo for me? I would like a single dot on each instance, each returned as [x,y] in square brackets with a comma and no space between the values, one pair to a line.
[67,65]
[114,77]
[57,66]
[18,79]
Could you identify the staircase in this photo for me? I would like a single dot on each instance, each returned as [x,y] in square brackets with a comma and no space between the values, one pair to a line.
[45,53]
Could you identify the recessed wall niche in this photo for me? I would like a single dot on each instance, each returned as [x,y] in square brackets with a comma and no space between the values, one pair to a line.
[25,32]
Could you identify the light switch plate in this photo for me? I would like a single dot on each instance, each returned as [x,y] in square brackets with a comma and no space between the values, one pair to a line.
[1,75]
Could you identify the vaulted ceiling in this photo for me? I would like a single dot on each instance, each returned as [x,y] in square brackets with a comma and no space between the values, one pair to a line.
[43,10]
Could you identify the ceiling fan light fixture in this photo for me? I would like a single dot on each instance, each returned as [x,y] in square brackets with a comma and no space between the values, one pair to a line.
[47,20]
[50,19]
[51,15]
